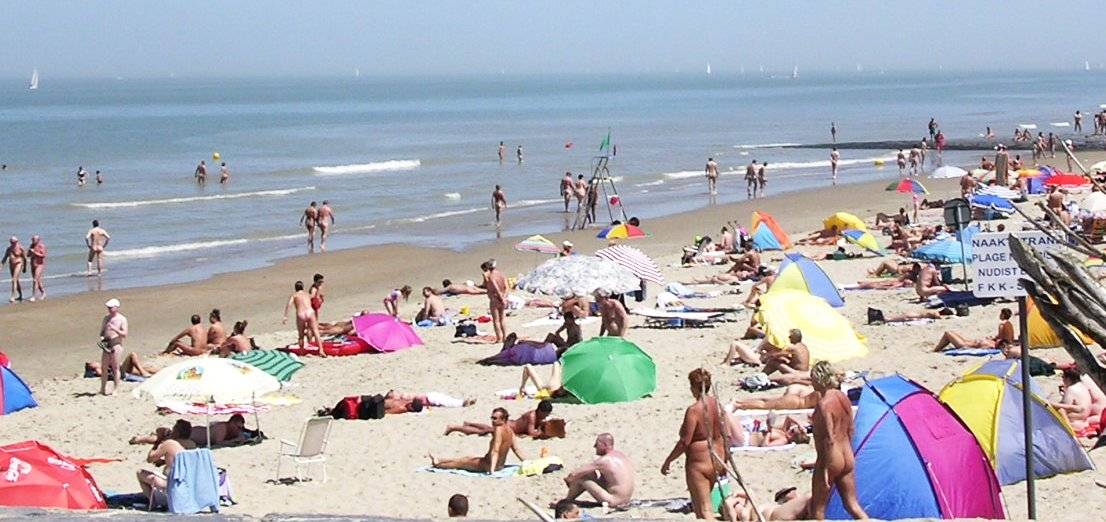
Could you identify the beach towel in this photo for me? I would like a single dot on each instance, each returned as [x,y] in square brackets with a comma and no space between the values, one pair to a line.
[974,352]
[759,449]
[534,467]
[193,482]
[952,299]
[508,471]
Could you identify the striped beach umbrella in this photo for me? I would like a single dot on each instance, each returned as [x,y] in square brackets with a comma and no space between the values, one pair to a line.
[538,244]
[623,231]
[635,260]
[908,186]
[276,363]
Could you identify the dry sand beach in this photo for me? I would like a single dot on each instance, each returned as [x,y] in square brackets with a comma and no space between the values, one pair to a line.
[373,464]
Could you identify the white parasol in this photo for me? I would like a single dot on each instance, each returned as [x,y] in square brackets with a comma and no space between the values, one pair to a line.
[578,275]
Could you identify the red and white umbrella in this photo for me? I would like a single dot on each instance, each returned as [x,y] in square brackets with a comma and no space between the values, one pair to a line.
[635,260]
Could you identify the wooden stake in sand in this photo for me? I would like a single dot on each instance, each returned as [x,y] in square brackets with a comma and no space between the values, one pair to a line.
[728,462]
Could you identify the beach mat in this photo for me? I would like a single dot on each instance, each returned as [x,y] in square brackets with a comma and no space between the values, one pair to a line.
[507,472]
[974,352]
[954,299]
[762,449]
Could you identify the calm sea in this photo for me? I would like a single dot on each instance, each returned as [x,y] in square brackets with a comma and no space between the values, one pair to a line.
[414,160]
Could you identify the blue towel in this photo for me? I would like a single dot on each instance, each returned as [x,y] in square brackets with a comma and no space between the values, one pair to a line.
[193,482]
[506,472]
[974,352]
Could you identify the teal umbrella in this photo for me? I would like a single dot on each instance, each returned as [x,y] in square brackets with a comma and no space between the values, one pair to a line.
[608,369]
[278,364]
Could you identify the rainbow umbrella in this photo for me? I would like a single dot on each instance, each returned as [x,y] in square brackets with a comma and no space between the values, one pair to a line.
[622,231]
[538,244]
[385,333]
[908,186]
[863,239]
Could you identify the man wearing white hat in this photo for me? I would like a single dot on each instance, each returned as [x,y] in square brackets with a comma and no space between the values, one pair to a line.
[566,249]
[113,332]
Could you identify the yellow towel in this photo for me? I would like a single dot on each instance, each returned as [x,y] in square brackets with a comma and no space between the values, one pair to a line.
[532,467]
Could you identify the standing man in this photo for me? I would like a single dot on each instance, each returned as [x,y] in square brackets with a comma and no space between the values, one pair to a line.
[201,173]
[96,240]
[325,219]
[1002,165]
[16,258]
[900,159]
[99,178]
[499,203]
[309,219]
[224,174]
[924,148]
[113,331]
[751,179]
[833,435]
[568,189]
[38,267]
[502,151]
[1078,122]
[712,176]
[82,174]
[833,131]
[609,479]
[932,128]
[496,285]
[518,153]
[1051,142]
[834,158]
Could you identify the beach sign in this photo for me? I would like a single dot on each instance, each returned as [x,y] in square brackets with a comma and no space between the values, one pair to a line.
[995,273]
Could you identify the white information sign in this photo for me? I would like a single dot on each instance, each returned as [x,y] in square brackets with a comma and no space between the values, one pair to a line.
[995,273]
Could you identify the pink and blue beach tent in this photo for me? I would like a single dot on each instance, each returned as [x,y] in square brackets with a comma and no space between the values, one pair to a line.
[916,459]
[799,272]
[14,393]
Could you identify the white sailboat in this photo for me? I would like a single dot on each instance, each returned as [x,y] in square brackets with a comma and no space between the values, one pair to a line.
[356,72]
[708,68]
[795,73]
[1086,65]
[34,80]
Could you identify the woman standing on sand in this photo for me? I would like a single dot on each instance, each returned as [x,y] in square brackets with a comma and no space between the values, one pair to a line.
[701,440]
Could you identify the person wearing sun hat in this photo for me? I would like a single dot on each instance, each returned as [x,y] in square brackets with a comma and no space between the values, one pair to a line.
[113,331]
[566,249]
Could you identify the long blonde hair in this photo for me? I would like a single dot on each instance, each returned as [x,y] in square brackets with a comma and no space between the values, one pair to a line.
[825,375]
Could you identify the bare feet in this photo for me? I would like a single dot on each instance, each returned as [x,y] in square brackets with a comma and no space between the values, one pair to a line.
[468,402]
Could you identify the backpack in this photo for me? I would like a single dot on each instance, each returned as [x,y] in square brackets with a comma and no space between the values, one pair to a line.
[371,407]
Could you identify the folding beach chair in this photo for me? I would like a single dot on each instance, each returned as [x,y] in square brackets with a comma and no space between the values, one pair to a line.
[311,448]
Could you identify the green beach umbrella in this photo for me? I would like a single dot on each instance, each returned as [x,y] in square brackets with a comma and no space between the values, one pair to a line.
[278,364]
[608,369]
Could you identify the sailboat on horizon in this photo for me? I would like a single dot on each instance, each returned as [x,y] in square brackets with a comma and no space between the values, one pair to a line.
[34,80]
[708,68]
[795,73]
[1086,65]
[356,72]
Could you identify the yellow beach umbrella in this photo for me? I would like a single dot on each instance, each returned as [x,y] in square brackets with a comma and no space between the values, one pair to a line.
[844,221]
[827,334]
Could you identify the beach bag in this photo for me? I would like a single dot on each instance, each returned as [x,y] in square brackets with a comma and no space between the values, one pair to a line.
[465,329]
[962,310]
[347,408]
[371,407]
[226,499]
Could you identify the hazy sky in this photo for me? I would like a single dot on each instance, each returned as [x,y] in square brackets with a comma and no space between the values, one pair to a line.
[135,38]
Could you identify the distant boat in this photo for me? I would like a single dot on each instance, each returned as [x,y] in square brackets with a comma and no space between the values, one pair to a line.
[708,68]
[859,68]
[356,72]
[743,70]
[1086,65]
[34,80]
[795,73]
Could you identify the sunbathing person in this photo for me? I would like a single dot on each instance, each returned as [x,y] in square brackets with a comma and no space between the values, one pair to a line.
[774,433]
[1005,334]
[767,277]
[433,309]
[900,219]
[794,397]
[613,314]
[503,440]
[196,334]
[837,255]
[450,288]
[238,342]
[231,432]
[1082,402]
[609,479]
[825,237]
[340,327]
[396,403]
[790,505]
[131,367]
[216,334]
[749,261]
[877,317]
[571,330]
[790,365]
[546,389]
[891,268]
[732,276]
[162,454]
[528,425]
[928,283]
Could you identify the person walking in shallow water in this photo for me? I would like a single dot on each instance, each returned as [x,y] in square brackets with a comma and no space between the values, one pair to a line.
[499,204]
[518,153]
[96,240]
[309,220]
[712,176]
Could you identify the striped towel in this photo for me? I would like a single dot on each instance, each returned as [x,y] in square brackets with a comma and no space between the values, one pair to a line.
[278,364]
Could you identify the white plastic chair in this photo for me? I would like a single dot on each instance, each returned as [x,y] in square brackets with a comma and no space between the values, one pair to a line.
[310,450]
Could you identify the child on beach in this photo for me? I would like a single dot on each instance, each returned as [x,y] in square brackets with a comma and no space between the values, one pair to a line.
[391,302]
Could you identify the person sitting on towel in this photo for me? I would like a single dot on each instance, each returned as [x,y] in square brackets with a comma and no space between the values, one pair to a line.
[1078,405]
[956,340]
[773,433]
[784,366]
[503,440]
[197,335]
[238,342]
[162,454]
[571,330]
[609,479]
